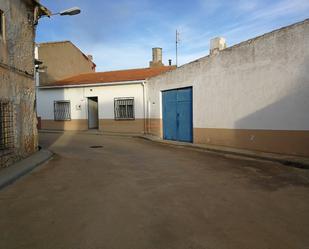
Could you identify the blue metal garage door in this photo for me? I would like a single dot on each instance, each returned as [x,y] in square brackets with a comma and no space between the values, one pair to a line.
[177,114]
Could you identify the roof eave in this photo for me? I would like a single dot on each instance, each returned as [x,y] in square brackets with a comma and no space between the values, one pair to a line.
[94,84]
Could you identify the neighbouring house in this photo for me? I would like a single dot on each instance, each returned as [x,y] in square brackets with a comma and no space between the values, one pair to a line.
[18,132]
[60,60]
[112,101]
[254,95]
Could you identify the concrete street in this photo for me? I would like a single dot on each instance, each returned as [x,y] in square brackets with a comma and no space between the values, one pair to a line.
[137,194]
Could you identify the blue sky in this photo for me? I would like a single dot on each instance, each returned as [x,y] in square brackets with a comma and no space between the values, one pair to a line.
[120,33]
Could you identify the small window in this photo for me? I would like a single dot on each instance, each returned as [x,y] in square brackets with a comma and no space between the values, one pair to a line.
[6,126]
[62,110]
[124,108]
[1,24]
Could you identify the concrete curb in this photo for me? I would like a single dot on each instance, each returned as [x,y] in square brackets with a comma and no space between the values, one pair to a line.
[21,168]
[99,133]
[294,161]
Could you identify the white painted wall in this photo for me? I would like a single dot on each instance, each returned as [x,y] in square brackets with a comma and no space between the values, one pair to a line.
[259,84]
[78,97]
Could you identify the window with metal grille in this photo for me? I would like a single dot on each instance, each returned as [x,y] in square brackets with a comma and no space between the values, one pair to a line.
[124,108]
[62,110]
[1,23]
[6,127]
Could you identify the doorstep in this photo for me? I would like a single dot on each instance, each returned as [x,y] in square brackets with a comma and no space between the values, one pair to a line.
[289,160]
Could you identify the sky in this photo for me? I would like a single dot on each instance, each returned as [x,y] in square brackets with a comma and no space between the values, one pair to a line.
[120,33]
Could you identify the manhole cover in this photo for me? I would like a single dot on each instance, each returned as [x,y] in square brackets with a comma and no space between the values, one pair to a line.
[96,146]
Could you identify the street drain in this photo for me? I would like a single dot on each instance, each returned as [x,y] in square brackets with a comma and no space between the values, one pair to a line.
[96,146]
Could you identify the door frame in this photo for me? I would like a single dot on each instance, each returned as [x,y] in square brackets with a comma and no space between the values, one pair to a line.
[97,112]
[162,110]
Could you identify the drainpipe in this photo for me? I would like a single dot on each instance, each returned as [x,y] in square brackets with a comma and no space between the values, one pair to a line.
[144,108]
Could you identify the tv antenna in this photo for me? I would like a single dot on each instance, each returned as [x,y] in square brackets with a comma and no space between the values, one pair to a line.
[177,41]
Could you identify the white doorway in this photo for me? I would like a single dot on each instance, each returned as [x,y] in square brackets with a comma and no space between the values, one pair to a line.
[93,115]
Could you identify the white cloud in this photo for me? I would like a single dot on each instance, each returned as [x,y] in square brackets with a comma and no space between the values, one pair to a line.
[121,35]
[210,6]
[260,19]
[120,56]
[282,8]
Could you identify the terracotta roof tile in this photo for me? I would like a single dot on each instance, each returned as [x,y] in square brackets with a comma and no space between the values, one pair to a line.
[113,76]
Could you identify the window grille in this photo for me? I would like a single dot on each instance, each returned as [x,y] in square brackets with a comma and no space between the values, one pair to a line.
[6,127]
[62,110]
[1,23]
[124,108]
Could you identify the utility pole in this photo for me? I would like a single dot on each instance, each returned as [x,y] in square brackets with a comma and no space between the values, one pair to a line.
[177,40]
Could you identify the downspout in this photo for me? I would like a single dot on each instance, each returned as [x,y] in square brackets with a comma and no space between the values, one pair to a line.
[37,84]
[144,108]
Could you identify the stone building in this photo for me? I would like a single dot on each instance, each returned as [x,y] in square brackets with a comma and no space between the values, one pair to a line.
[62,59]
[18,132]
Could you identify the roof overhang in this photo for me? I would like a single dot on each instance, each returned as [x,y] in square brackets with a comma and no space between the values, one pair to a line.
[135,82]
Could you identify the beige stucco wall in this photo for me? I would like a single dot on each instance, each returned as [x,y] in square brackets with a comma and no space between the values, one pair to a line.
[254,95]
[71,125]
[155,127]
[62,60]
[122,126]
[16,58]
[105,125]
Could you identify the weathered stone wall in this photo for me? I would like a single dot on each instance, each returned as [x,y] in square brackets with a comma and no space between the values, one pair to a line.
[16,75]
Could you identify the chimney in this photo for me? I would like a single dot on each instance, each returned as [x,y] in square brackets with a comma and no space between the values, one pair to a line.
[90,57]
[156,58]
[217,44]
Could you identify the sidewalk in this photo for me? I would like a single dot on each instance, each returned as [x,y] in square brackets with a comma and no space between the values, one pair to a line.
[295,161]
[12,173]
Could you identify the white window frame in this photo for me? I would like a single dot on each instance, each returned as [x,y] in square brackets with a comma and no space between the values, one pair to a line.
[62,116]
[128,116]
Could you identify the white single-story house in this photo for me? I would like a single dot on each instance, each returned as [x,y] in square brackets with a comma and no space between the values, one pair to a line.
[112,101]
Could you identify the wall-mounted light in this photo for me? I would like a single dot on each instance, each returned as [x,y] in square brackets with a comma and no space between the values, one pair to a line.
[69,12]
